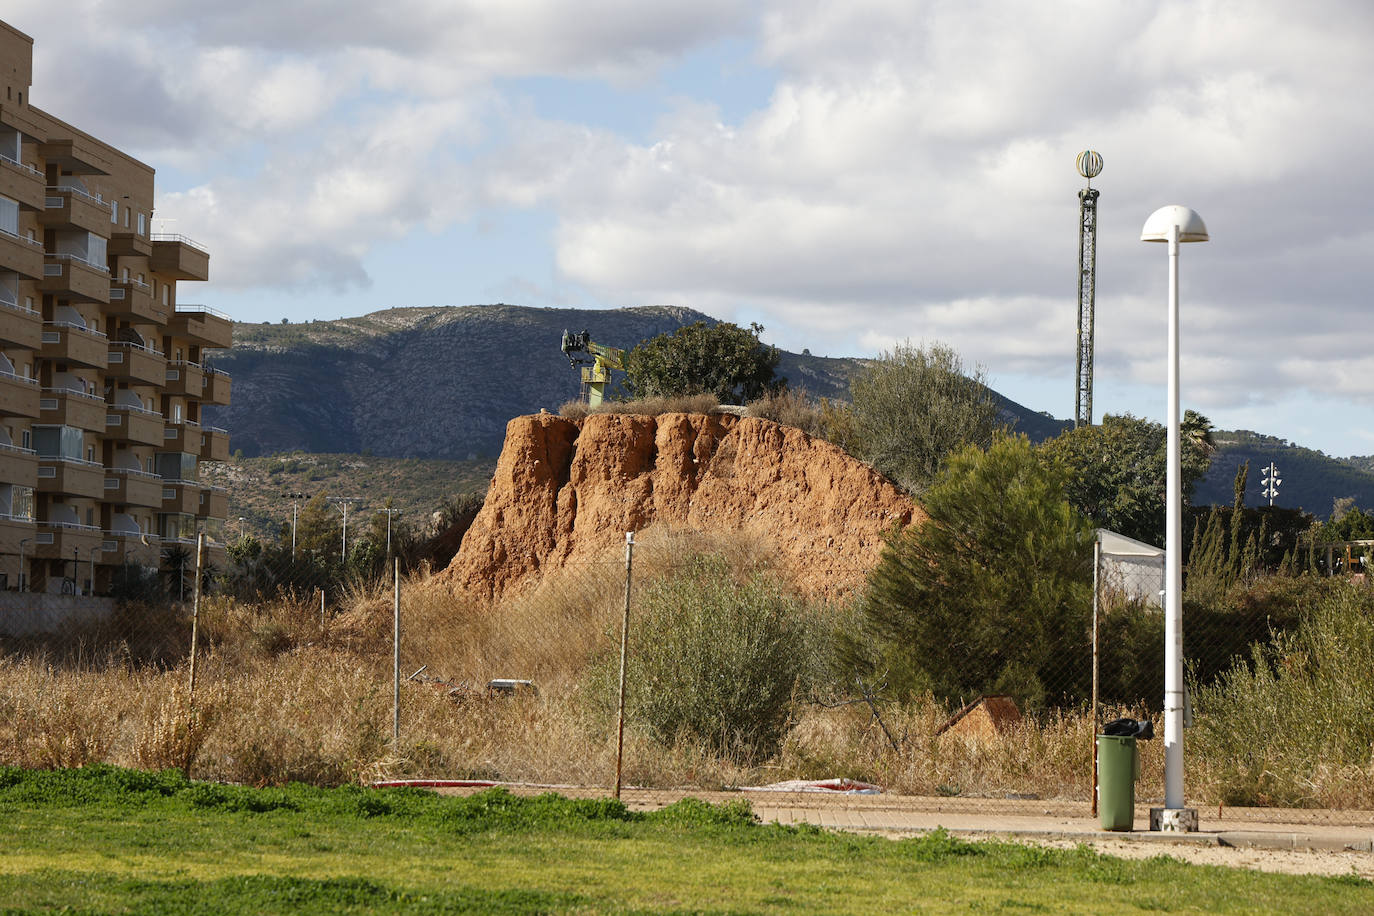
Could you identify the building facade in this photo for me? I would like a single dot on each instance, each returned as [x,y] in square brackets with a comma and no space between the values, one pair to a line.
[102,367]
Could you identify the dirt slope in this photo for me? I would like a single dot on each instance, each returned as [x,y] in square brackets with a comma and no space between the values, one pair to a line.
[566,491]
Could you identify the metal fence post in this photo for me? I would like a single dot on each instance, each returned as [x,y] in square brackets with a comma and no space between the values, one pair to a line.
[624,647]
[195,609]
[396,660]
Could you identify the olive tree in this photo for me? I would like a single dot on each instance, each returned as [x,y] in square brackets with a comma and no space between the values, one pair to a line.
[913,406]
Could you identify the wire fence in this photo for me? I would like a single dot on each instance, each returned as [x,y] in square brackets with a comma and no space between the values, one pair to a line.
[665,663]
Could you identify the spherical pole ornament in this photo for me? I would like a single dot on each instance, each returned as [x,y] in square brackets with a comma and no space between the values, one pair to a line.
[1089,164]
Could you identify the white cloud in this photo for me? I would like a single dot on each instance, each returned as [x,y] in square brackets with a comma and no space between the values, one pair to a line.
[909,176]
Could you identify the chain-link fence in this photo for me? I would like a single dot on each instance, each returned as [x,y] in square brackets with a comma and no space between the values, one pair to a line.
[731,678]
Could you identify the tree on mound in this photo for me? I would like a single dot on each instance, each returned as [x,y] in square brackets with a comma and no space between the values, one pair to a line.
[992,594]
[724,360]
[912,407]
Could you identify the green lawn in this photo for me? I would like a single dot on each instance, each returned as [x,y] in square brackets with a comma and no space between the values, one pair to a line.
[110,840]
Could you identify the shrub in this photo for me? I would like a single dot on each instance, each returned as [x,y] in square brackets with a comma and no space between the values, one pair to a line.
[723,359]
[992,593]
[714,657]
[912,407]
[1291,725]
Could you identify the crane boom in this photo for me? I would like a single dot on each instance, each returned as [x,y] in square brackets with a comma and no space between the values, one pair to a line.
[602,358]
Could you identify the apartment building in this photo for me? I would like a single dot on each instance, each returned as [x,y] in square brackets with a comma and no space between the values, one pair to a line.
[102,374]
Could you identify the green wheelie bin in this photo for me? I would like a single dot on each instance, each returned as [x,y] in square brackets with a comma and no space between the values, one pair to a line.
[1118,767]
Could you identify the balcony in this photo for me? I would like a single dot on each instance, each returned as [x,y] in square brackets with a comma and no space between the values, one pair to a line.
[125,243]
[185,378]
[214,444]
[21,255]
[181,496]
[71,343]
[133,424]
[132,487]
[18,396]
[20,326]
[62,540]
[71,477]
[179,257]
[77,155]
[68,407]
[73,277]
[181,436]
[136,363]
[202,325]
[140,549]
[18,465]
[216,387]
[72,208]
[135,299]
[22,183]
[214,502]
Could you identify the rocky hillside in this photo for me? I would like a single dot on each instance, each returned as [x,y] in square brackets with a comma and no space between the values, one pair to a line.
[442,382]
[565,492]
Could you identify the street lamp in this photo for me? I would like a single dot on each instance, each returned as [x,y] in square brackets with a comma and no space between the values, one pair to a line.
[1173,224]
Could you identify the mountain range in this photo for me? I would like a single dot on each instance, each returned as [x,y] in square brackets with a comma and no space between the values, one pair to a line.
[442,382]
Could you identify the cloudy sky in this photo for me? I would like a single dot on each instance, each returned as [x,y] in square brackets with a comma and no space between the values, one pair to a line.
[849,173]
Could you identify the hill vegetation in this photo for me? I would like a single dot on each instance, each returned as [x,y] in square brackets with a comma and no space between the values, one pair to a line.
[260,488]
[1312,481]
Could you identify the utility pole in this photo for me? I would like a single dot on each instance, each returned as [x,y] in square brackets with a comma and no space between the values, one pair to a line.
[389,512]
[342,503]
[1089,166]
[293,497]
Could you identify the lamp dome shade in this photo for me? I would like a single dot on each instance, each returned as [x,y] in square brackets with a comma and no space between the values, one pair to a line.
[1191,228]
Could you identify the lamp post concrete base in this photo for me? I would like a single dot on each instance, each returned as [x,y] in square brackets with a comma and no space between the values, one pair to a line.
[1173,820]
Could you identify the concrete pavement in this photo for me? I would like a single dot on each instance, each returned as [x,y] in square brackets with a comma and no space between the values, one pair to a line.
[1265,828]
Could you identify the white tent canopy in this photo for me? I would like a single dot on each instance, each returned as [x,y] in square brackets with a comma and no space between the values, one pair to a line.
[1132,568]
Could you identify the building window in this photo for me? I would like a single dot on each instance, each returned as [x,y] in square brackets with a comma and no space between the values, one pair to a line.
[9,215]
[114,211]
[142,224]
[57,441]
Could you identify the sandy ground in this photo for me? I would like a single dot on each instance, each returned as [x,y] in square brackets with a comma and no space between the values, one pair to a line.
[1287,861]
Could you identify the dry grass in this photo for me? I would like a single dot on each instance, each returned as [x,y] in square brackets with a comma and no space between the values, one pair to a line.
[651,407]
[282,698]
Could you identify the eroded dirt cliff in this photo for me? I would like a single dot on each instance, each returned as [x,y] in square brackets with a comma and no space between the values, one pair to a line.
[566,491]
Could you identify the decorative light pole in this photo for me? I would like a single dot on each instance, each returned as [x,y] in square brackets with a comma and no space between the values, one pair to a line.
[1089,166]
[1173,224]
[1270,483]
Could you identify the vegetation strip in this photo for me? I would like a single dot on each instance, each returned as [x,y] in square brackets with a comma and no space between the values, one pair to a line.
[103,839]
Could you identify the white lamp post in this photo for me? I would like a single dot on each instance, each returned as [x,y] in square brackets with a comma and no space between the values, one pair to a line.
[1173,224]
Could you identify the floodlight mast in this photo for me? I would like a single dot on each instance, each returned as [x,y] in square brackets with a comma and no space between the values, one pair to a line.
[1270,483]
[1089,166]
